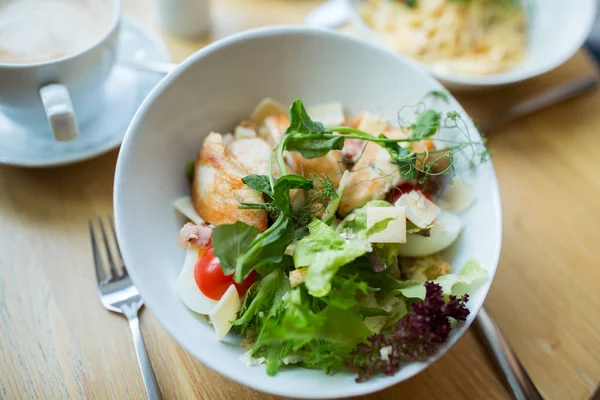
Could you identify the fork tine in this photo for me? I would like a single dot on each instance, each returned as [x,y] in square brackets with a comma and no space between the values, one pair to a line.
[109,256]
[114,234]
[98,264]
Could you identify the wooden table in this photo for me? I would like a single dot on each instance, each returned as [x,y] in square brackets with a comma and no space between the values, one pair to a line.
[56,340]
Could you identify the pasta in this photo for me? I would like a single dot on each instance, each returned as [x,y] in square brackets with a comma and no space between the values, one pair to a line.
[476,37]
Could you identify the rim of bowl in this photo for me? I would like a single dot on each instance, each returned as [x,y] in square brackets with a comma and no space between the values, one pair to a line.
[511,76]
[228,372]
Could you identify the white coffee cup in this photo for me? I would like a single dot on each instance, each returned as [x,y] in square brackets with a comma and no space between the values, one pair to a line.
[48,89]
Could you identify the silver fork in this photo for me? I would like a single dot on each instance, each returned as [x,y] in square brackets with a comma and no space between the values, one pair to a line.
[118,294]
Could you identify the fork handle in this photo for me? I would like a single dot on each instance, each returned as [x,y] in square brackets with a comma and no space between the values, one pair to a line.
[505,359]
[150,383]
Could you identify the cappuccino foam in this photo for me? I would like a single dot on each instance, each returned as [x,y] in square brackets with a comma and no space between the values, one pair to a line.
[34,31]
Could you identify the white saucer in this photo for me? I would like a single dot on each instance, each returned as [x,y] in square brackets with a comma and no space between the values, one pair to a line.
[125,90]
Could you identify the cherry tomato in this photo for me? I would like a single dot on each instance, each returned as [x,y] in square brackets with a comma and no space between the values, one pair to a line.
[210,278]
[395,194]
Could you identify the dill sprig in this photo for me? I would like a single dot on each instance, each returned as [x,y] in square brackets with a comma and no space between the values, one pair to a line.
[316,201]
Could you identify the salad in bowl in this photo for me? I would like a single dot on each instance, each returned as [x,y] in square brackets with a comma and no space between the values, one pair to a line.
[310,278]
[317,237]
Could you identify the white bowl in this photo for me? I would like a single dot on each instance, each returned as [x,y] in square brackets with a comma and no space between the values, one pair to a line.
[556,31]
[214,89]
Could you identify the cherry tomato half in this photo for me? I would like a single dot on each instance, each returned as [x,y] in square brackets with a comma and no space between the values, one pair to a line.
[398,191]
[210,278]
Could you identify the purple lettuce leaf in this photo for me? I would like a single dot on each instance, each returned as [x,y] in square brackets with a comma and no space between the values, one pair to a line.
[415,337]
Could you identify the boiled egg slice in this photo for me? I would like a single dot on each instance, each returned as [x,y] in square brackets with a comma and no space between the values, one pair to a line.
[457,197]
[445,231]
[185,206]
[188,290]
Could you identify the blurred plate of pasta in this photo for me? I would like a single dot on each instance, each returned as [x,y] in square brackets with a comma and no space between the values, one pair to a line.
[474,44]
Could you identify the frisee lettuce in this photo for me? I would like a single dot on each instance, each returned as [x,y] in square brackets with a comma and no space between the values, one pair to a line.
[470,277]
[324,252]
[288,323]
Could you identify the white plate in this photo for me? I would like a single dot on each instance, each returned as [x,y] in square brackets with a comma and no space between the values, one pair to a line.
[123,93]
[557,29]
[214,89]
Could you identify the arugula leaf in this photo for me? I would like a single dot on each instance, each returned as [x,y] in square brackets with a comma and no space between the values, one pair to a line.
[426,125]
[268,248]
[283,185]
[295,182]
[286,265]
[300,122]
[240,249]
[314,145]
[258,182]
[307,136]
[231,242]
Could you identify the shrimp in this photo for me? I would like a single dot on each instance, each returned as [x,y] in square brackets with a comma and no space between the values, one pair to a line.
[373,175]
[218,190]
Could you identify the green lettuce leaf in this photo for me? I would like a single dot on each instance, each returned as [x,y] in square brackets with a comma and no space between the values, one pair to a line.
[356,221]
[388,311]
[385,255]
[300,324]
[324,252]
[265,295]
[344,291]
[303,329]
[470,277]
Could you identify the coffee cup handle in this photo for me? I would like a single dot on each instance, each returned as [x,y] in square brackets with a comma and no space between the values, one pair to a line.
[59,111]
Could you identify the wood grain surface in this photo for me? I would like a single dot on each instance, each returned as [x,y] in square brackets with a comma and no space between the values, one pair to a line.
[58,342]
